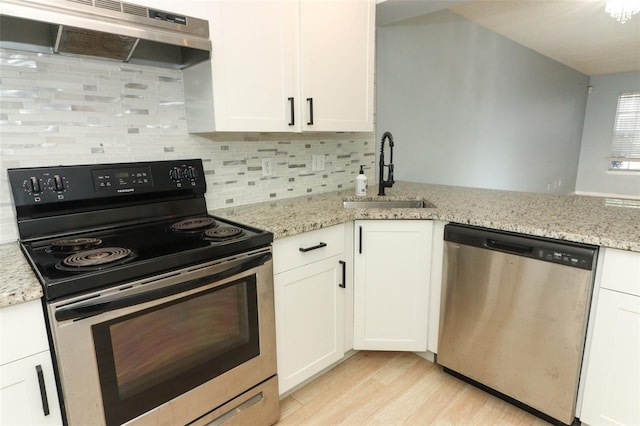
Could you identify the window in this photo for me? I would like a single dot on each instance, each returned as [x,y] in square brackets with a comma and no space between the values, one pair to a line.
[625,145]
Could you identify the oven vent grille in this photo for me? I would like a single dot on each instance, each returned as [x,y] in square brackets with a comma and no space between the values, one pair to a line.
[109,5]
[133,9]
[116,6]
[85,2]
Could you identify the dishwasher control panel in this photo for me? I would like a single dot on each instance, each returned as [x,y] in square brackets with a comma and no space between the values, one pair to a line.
[571,259]
[567,253]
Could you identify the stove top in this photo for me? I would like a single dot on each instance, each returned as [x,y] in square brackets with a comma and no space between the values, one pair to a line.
[91,226]
[90,260]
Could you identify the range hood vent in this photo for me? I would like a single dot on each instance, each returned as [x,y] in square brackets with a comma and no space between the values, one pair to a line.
[106,29]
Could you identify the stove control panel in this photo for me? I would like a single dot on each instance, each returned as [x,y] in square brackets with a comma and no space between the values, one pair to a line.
[129,177]
[184,175]
[45,185]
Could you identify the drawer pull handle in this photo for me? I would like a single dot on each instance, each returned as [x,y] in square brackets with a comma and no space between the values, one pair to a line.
[306,249]
[43,390]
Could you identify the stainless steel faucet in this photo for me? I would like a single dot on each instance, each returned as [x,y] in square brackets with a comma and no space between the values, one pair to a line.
[382,184]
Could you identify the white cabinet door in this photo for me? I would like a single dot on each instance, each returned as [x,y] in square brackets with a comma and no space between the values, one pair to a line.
[255,65]
[251,82]
[337,52]
[28,393]
[612,387]
[25,361]
[391,284]
[309,305]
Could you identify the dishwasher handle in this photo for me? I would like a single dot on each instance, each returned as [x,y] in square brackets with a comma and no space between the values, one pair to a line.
[508,247]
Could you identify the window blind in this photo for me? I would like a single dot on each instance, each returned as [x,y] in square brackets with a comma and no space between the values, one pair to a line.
[625,144]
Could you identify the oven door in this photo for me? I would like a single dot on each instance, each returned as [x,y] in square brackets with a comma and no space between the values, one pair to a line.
[173,347]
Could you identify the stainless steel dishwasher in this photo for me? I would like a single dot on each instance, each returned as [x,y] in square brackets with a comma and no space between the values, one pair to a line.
[514,314]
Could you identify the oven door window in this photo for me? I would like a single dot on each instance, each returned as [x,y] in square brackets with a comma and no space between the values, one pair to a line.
[152,356]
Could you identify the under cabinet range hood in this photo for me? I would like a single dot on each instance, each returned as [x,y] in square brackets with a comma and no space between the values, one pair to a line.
[104,28]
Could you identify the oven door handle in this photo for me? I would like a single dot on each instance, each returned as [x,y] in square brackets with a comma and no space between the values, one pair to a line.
[95,306]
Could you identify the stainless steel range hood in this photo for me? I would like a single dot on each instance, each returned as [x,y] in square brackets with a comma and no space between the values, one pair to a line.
[104,28]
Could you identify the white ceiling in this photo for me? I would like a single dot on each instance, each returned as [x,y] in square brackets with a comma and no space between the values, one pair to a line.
[577,33]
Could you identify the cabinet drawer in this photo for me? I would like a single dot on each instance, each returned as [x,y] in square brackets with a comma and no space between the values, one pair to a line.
[22,330]
[621,271]
[302,249]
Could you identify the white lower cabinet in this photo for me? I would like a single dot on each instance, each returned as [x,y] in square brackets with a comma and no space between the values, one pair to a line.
[612,382]
[28,394]
[392,260]
[310,290]
[435,285]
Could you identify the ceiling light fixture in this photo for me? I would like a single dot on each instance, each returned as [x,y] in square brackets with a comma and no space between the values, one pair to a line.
[622,10]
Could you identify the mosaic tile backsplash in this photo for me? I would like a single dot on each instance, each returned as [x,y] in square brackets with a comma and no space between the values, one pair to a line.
[57,110]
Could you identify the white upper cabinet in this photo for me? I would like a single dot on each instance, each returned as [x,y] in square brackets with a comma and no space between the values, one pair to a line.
[337,50]
[285,66]
[253,77]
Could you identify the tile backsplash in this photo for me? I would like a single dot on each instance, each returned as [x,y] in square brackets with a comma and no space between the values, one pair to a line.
[57,110]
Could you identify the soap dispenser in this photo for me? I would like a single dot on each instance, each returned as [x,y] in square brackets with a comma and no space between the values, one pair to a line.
[361,183]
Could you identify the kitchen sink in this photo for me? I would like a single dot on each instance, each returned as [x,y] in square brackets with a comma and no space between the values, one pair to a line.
[388,204]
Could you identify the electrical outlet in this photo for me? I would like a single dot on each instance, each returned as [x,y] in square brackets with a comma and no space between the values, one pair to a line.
[317,164]
[267,168]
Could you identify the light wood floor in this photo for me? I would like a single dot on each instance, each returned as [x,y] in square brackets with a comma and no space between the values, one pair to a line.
[395,388]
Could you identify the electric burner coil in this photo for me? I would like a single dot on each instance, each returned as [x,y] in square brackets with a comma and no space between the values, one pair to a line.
[195,224]
[223,234]
[74,244]
[96,259]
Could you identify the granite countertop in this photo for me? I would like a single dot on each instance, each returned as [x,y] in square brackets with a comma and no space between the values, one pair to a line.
[591,220]
[19,283]
[576,218]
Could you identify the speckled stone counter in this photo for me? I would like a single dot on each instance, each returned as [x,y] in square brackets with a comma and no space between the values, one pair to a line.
[573,218]
[19,283]
[566,217]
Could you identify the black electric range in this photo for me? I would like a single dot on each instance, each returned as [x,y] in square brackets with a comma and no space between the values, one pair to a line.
[91,226]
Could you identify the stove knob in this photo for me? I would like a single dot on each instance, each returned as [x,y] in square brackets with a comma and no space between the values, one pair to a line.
[34,185]
[58,184]
[175,174]
[190,172]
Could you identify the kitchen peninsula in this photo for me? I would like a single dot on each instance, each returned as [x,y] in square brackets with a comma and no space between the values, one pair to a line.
[605,222]
[599,221]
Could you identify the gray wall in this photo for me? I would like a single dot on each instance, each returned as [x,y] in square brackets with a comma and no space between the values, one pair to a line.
[469,107]
[593,175]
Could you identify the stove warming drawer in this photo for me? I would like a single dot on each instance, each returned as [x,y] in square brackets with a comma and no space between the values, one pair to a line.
[258,405]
